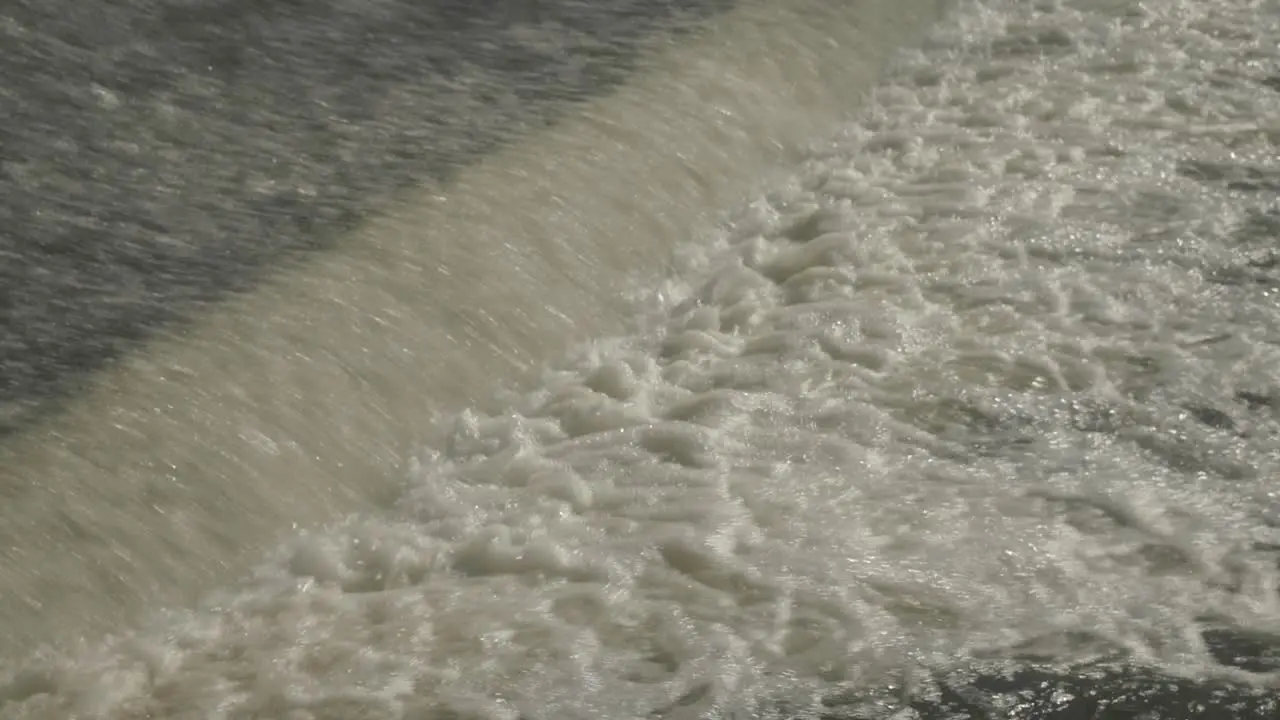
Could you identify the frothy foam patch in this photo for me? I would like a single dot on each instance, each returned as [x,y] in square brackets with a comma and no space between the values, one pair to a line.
[994,375]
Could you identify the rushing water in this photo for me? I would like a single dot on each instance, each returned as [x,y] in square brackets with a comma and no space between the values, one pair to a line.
[972,414]
[301,400]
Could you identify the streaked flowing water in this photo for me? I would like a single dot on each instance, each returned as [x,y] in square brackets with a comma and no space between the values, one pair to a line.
[302,400]
[990,376]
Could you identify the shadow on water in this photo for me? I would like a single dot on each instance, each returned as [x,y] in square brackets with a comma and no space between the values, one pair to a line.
[156,156]
[1033,693]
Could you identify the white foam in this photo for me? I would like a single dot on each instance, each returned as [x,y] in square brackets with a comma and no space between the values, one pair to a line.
[927,399]
[299,402]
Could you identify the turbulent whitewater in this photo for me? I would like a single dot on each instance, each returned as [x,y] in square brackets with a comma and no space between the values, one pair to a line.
[996,373]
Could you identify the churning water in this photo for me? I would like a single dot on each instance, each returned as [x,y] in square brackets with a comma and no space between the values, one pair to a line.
[991,378]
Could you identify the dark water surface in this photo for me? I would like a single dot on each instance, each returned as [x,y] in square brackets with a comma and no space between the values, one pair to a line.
[158,154]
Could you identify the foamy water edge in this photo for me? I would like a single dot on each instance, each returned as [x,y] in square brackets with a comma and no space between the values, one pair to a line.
[951,391]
